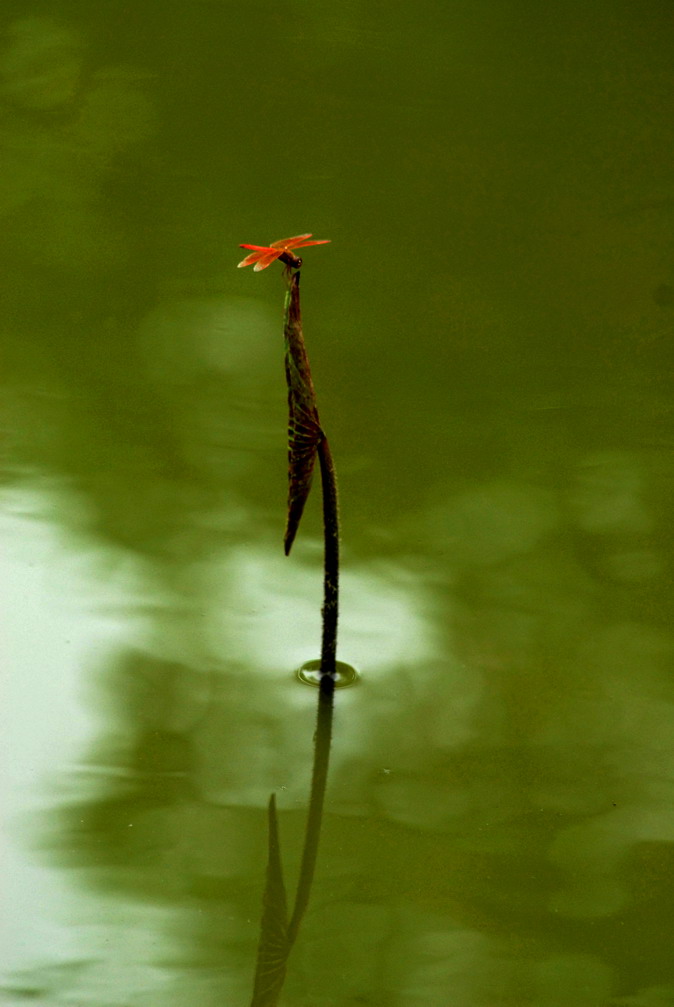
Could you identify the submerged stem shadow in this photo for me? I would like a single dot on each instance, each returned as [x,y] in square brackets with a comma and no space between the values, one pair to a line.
[277,933]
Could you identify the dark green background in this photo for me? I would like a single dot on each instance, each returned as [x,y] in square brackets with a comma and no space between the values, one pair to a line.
[490,333]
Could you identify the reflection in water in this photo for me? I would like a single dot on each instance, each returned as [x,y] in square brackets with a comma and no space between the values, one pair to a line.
[167,805]
[484,804]
[499,830]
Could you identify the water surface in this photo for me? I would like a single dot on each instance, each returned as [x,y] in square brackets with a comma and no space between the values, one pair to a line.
[490,333]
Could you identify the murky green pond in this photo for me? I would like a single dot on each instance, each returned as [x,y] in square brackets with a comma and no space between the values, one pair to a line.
[490,332]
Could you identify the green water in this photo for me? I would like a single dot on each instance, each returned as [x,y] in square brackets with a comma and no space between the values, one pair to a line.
[490,334]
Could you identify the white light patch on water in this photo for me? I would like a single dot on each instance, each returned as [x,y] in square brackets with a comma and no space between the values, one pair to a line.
[52,633]
[267,609]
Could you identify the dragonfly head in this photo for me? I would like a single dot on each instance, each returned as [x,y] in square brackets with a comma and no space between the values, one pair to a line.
[292,261]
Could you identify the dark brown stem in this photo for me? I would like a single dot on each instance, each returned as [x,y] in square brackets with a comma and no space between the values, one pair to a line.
[323,735]
[330,566]
[301,391]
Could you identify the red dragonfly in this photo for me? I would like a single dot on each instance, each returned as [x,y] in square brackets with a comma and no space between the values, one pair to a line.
[264,255]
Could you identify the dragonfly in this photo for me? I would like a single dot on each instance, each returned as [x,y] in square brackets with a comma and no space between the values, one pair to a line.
[264,255]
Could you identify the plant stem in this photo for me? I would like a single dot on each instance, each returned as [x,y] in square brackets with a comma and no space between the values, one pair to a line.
[330,609]
[330,612]
[304,421]
[306,439]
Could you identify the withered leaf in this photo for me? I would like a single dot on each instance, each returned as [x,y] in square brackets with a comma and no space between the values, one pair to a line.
[304,428]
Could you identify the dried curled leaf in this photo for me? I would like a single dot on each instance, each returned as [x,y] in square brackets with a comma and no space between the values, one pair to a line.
[304,428]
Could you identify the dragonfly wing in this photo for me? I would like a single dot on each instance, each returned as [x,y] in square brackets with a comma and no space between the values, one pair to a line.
[267,259]
[263,255]
[305,244]
[253,257]
[289,242]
